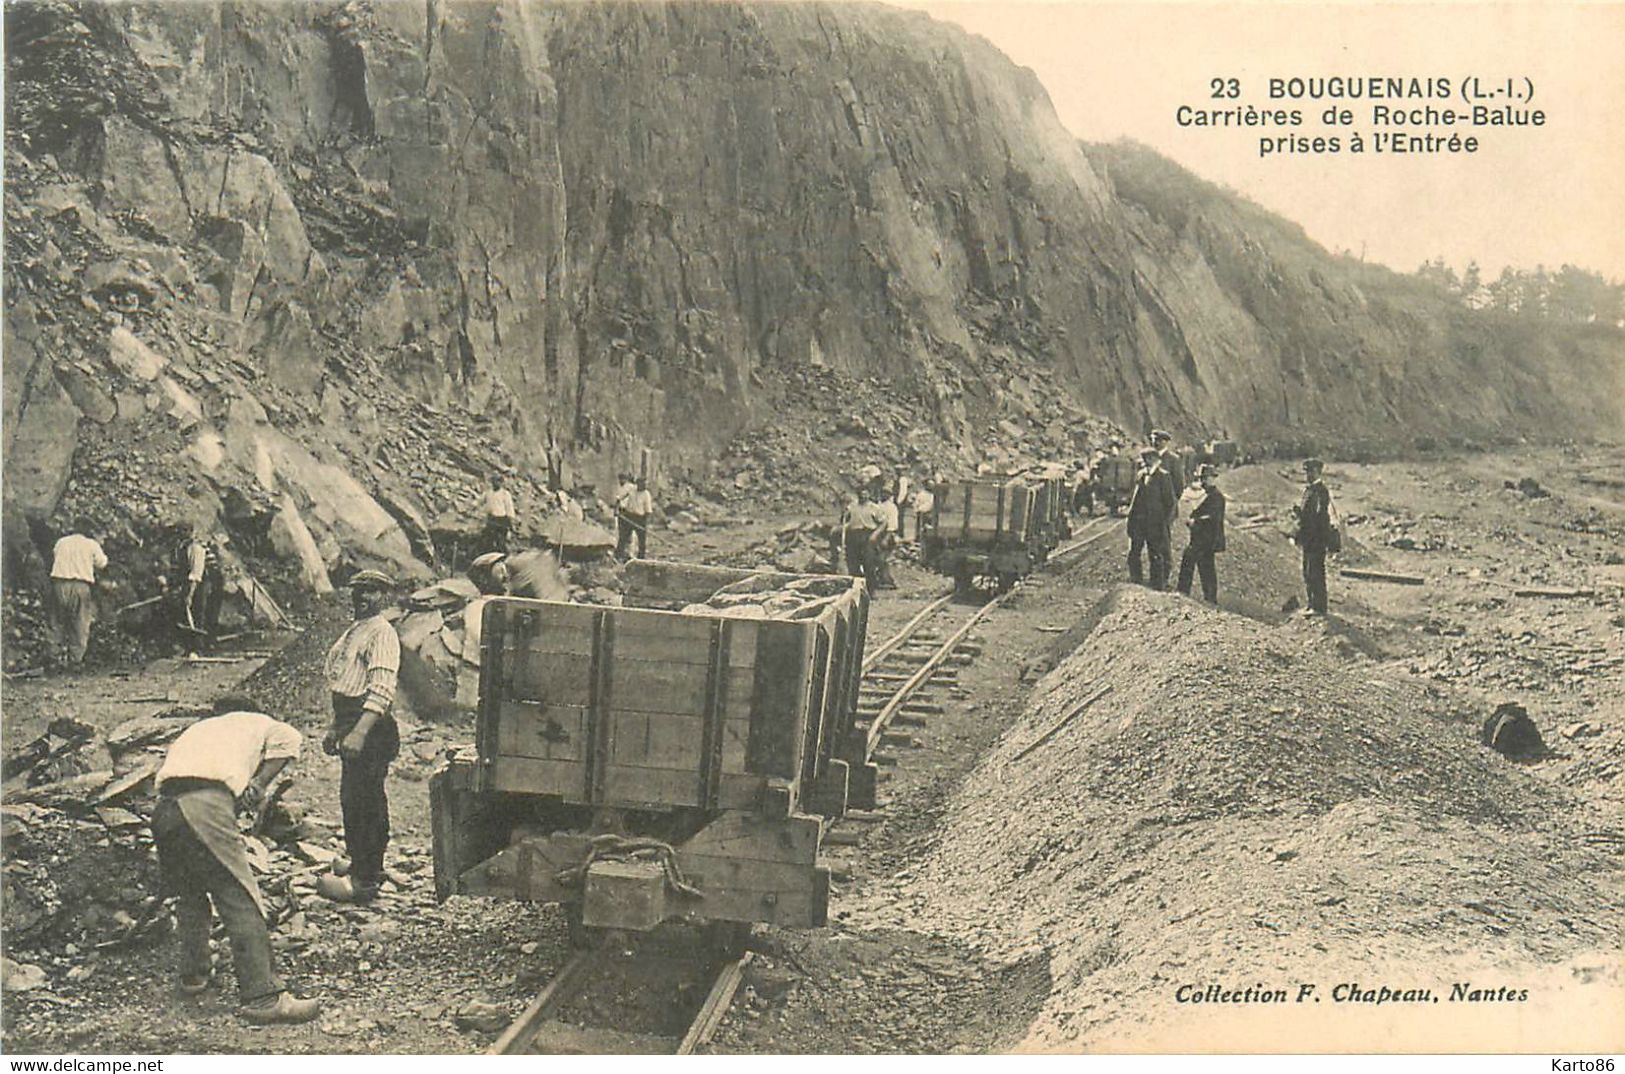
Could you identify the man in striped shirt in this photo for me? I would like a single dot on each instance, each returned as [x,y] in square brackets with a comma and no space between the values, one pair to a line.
[361,669]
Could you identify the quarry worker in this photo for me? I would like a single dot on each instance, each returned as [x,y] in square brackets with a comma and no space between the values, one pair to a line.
[1083,492]
[1150,514]
[499,516]
[362,668]
[1316,533]
[205,584]
[632,514]
[624,487]
[75,559]
[885,537]
[1206,537]
[1172,461]
[861,530]
[924,502]
[492,577]
[222,762]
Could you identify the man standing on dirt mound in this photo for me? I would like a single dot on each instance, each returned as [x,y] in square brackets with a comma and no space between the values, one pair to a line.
[362,668]
[1150,513]
[1316,534]
[1207,537]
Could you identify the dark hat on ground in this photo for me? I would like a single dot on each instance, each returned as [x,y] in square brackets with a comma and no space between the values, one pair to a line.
[370,579]
[1160,434]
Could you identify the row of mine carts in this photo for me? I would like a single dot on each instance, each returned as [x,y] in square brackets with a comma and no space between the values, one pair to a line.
[988,531]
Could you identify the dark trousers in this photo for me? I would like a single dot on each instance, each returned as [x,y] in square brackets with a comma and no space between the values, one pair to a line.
[626,526]
[1314,577]
[494,538]
[362,799]
[861,559]
[1156,544]
[1198,561]
[193,873]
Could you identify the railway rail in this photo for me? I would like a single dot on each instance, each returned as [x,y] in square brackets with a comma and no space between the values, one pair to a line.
[546,1028]
[899,674]
[899,677]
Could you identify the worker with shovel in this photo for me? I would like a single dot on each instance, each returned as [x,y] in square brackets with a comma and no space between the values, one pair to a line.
[634,504]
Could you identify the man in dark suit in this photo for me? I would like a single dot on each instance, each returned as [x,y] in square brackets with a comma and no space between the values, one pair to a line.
[1207,537]
[1150,513]
[1316,534]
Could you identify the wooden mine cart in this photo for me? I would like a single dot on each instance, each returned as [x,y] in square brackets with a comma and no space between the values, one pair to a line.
[1223,453]
[1052,515]
[639,764]
[1113,481]
[982,528]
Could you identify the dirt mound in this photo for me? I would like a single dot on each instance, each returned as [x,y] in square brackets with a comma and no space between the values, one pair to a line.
[1247,804]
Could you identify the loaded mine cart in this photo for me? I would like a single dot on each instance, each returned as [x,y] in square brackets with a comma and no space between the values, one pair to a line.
[671,759]
[1052,517]
[1113,481]
[982,528]
[1223,453]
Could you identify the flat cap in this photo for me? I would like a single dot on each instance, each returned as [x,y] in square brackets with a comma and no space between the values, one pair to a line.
[488,560]
[370,579]
[1160,434]
[1207,469]
[1313,464]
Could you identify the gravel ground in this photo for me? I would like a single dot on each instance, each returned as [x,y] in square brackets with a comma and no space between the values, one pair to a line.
[1260,797]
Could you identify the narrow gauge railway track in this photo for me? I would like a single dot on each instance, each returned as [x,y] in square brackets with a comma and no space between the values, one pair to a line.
[901,673]
[899,676]
[559,1020]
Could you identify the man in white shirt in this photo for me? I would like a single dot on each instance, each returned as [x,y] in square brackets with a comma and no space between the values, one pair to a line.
[362,669]
[217,764]
[633,518]
[885,539]
[499,516]
[74,563]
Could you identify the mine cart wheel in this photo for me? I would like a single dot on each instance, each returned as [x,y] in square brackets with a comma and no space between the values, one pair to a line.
[727,939]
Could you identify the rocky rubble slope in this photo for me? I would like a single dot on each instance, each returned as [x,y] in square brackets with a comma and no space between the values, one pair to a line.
[316,268]
[1244,806]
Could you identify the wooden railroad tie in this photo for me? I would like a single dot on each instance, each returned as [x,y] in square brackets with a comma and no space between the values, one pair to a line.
[1383,576]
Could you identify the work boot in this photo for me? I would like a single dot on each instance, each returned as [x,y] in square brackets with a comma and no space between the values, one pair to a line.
[343,889]
[285,1009]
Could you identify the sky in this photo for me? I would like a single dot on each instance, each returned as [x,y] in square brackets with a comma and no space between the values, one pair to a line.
[1550,194]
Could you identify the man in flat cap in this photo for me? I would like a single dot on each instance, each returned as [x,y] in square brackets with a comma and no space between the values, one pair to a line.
[361,669]
[1150,514]
[1207,537]
[1316,533]
[1172,461]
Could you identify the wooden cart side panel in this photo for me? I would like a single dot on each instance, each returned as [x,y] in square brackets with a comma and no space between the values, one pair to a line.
[783,676]
[818,697]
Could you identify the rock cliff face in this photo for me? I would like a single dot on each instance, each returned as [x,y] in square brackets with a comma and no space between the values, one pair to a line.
[271,248]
